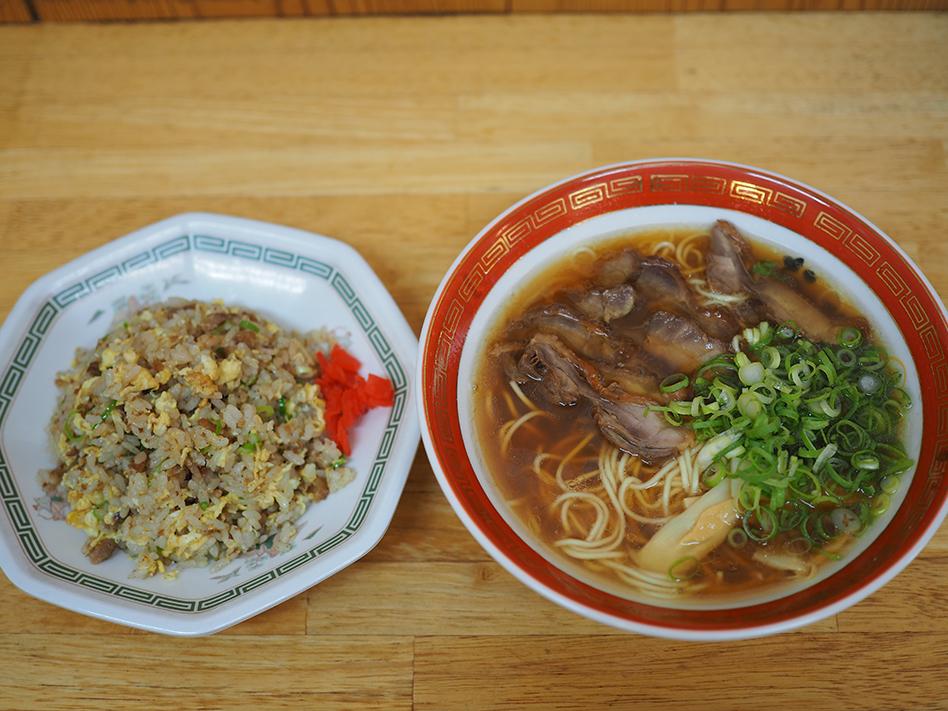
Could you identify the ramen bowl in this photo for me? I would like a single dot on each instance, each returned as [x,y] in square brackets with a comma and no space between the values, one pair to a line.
[865,266]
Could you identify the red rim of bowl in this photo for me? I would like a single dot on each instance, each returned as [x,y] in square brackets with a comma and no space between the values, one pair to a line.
[879,262]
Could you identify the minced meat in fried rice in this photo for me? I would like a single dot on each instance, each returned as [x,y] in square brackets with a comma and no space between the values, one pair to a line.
[193,432]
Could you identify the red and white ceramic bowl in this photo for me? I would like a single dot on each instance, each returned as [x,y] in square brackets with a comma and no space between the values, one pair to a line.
[864,264]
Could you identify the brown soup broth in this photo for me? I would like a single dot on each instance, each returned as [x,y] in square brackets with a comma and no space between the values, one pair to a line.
[727,569]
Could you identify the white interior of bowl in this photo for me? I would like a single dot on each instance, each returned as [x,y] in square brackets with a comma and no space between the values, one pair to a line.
[614,224]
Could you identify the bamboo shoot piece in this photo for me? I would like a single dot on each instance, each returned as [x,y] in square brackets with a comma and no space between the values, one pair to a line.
[694,532]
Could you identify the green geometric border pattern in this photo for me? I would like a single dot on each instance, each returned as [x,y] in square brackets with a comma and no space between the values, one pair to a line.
[10,382]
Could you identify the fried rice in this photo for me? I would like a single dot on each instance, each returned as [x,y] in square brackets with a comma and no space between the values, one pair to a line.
[192,433]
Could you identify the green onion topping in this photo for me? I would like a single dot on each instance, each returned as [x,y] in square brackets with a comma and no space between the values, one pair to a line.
[675,382]
[850,337]
[810,431]
[250,446]
[106,413]
[67,427]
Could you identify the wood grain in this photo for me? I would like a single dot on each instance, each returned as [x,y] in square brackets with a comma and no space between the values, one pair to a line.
[14,11]
[404,137]
[82,10]
[616,672]
[98,10]
[250,8]
[265,671]
[72,10]
[606,6]
[417,7]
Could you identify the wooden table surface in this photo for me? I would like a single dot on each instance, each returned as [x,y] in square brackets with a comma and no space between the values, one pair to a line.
[403,137]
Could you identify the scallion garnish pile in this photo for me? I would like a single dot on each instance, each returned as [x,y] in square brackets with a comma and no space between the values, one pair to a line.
[809,430]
